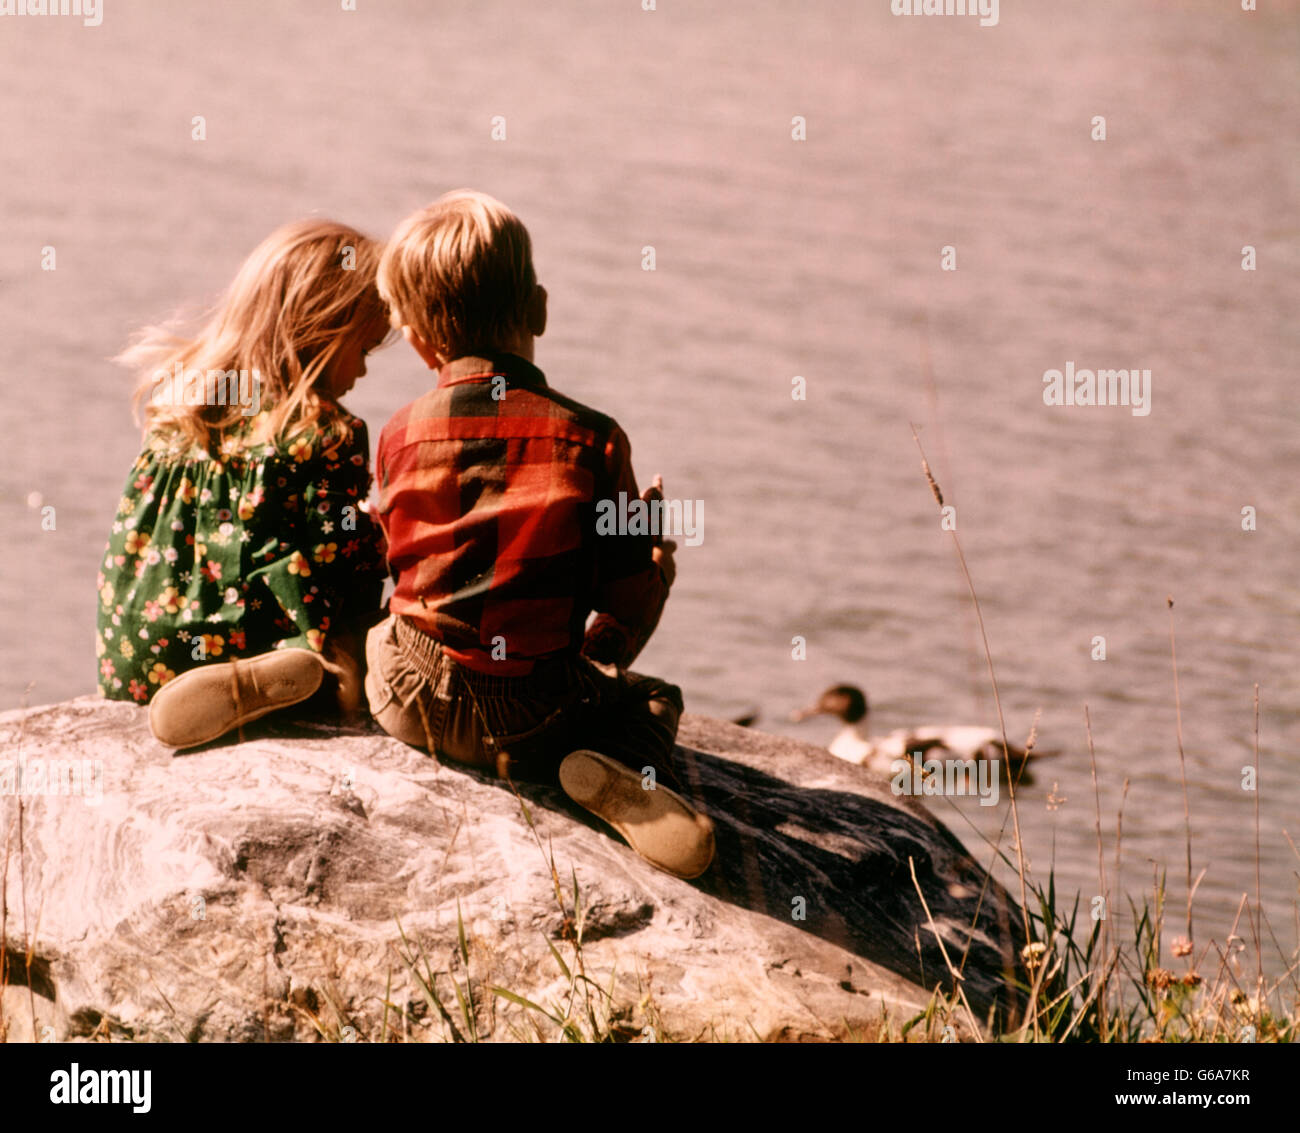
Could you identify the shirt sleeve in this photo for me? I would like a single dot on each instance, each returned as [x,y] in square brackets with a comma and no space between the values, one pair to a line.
[336,565]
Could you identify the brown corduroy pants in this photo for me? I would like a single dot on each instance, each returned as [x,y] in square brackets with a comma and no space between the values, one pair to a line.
[521,727]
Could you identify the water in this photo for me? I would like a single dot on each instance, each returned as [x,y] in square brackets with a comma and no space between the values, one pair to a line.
[775,258]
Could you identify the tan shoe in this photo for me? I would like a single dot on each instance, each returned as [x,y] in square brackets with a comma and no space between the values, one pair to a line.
[206,703]
[657,822]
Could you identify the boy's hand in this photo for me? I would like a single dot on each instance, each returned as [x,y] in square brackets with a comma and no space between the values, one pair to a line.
[652,493]
[663,548]
[663,555]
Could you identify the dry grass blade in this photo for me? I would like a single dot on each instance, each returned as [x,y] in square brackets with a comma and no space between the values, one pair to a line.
[956,976]
[1101,871]
[997,695]
[1182,767]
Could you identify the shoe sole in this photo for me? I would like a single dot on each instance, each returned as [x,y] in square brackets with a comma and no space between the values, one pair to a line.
[658,824]
[200,706]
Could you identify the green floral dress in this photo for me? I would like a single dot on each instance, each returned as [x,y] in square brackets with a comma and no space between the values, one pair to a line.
[227,556]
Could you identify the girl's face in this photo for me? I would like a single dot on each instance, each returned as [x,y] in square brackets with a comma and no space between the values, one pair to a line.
[349,364]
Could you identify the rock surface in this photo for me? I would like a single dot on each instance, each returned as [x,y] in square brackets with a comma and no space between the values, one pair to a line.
[251,891]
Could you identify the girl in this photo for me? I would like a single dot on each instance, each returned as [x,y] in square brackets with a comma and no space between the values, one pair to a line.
[241,545]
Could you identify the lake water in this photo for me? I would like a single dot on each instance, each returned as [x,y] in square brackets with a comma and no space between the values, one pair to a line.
[775,258]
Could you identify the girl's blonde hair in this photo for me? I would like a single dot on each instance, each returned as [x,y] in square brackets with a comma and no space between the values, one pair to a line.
[292,306]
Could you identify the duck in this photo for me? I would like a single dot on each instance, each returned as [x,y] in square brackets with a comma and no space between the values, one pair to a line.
[848,704]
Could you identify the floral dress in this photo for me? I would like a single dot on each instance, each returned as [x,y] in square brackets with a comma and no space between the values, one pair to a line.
[211,558]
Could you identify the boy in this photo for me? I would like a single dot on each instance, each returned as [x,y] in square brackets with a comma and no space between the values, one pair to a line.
[489,486]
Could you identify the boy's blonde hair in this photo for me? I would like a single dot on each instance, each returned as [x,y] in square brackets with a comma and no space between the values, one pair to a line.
[460,274]
[292,306]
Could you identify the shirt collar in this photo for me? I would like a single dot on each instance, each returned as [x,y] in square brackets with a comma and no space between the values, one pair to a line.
[518,371]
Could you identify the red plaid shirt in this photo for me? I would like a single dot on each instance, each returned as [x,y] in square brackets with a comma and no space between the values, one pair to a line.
[488,490]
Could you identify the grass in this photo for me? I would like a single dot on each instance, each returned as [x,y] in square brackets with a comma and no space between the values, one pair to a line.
[1082,986]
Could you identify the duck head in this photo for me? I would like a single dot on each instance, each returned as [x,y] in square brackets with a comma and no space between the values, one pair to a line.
[847,703]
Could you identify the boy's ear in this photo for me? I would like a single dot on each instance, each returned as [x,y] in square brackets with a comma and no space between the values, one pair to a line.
[537,311]
[425,350]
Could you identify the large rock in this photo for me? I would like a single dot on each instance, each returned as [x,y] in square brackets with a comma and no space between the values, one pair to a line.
[254,890]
